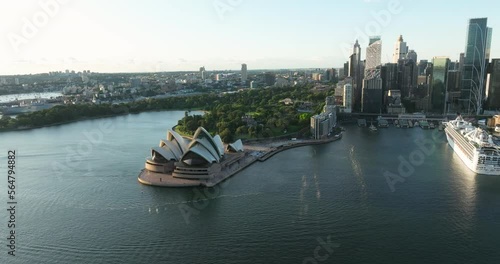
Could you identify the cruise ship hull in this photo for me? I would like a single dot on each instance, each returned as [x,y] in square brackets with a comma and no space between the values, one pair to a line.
[471,162]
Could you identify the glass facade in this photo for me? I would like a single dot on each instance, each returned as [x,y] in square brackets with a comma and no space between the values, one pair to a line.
[475,62]
[494,89]
[438,84]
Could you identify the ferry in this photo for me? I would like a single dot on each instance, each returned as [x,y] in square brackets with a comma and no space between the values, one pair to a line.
[403,123]
[382,123]
[474,146]
[424,124]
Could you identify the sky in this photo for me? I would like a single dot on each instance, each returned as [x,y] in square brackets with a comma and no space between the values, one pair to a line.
[38,36]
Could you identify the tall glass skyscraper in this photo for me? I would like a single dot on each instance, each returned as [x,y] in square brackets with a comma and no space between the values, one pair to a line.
[477,54]
[494,89]
[373,53]
[439,82]
[356,72]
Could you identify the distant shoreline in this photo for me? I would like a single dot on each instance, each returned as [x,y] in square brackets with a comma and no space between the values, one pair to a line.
[86,119]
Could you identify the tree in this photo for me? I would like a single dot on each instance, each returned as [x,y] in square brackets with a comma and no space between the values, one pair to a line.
[227,136]
[241,130]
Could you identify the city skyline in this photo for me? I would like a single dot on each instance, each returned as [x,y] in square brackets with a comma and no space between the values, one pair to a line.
[222,35]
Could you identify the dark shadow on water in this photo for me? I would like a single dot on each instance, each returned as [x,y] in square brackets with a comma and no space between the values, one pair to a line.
[489,184]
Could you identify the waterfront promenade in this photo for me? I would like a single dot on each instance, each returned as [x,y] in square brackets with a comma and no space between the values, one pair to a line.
[256,151]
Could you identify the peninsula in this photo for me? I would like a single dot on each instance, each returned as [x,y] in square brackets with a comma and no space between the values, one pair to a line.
[204,161]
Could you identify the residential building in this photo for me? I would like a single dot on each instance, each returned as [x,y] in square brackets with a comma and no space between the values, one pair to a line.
[347,98]
[244,73]
[322,125]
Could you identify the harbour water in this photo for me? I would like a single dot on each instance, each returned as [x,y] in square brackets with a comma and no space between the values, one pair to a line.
[79,201]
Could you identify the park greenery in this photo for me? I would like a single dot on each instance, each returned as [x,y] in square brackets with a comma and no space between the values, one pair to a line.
[264,115]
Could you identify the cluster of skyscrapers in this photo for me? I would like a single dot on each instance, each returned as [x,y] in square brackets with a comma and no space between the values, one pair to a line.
[469,85]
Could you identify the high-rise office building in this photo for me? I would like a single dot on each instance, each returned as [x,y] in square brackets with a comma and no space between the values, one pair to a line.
[202,73]
[389,74]
[453,81]
[355,59]
[244,73]
[412,55]
[438,83]
[372,92]
[373,53]
[347,98]
[422,65]
[341,73]
[346,69]
[477,52]
[494,87]
[400,50]
[408,74]
[331,75]
[356,73]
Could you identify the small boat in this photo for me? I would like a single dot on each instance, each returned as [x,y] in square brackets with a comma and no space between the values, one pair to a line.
[424,124]
[382,123]
[441,127]
[373,128]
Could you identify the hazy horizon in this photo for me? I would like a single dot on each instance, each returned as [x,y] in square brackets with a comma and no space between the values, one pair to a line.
[171,36]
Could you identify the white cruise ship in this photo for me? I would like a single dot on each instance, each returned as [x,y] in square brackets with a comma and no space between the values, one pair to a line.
[474,146]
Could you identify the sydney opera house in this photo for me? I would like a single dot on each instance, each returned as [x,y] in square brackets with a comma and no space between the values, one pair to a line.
[201,157]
